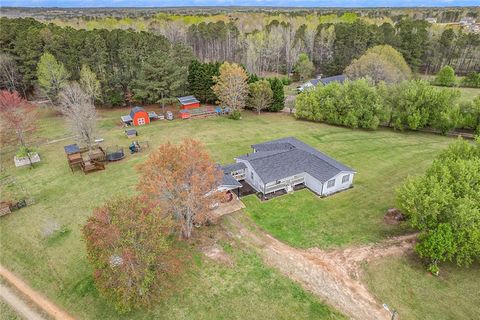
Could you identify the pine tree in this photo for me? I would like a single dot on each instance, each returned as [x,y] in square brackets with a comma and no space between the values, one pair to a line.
[278,101]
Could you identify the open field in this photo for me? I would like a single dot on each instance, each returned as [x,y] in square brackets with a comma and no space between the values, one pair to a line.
[404,283]
[468,94]
[383,159]
[6,313]
[55,263]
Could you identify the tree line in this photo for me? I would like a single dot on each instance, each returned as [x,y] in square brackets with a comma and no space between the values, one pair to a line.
[123,61]
[331,42]
[410,104]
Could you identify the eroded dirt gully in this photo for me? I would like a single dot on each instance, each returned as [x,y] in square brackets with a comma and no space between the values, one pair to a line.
[333,275]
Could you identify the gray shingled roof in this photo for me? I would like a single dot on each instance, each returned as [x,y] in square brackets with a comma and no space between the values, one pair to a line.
[340,78]
[229,168]
[230,182]
[288,156]
[135,110]
[187,100]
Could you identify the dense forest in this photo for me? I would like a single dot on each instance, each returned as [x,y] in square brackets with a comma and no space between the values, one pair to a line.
[128,52]
[121,59]
[270,40]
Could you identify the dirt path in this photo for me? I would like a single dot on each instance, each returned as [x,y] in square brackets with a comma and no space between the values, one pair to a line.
[17,304]
[47,306]
[332,275]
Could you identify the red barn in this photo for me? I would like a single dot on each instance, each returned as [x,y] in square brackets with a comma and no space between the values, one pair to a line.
[138,116]
[189,102]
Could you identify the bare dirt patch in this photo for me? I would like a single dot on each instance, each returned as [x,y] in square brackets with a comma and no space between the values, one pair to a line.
[332,275]
[216,253]
[393,217]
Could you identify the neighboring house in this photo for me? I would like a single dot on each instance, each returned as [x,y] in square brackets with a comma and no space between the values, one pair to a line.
[431,20]
[285,163]
[188,102]
[467,21]
[322,81]
[138,117]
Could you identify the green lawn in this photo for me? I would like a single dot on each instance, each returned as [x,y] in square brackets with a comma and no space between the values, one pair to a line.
[468,94]
[55,264]
[404,284]
[383,159]
[7,313]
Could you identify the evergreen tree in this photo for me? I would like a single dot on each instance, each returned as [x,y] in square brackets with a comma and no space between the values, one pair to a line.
[159,77]
[278,101]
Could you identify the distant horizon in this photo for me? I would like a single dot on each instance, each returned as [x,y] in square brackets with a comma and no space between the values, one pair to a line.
[294,4]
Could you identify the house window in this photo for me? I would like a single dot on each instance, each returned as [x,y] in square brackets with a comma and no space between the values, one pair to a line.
[141,121]
[346,178]
[331,183]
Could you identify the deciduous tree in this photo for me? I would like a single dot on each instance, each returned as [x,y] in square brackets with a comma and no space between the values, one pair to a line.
[304,67]
[78,108]
[380,63]
[89,83]
[10,77]
[17,118]
[128,247]
[443,204]
[231,86]
[52,76]
[182,180]
[260,95]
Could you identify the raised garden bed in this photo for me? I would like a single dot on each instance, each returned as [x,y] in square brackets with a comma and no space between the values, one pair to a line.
[26,161]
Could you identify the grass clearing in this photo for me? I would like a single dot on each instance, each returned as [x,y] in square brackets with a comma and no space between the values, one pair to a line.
[7,313]
[468,94]
[54,262]
[383,159]
[405,285]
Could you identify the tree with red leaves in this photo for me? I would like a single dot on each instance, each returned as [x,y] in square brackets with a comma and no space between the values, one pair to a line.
[132,256]
[17,118]
[182,179]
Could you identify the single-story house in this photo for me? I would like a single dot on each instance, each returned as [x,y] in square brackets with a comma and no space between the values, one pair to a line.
[138,117]
[288,162]
[188,102]
[322,81]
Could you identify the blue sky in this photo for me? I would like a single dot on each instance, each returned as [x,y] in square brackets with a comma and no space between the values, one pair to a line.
[276,3]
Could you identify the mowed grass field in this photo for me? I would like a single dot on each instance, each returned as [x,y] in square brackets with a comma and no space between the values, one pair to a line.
[382,159]
[56,264]
[404,283]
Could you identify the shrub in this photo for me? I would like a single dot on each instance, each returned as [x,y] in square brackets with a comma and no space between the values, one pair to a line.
[416,104]
[24,151]
[235,115]
[355,104]
[446,77]
[472,80]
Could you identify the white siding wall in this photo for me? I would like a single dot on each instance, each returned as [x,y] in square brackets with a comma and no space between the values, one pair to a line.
[313,184]
[257,183]
[338,183]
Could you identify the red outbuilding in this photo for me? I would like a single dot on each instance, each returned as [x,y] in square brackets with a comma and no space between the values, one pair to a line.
[138,117]
[189,102]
